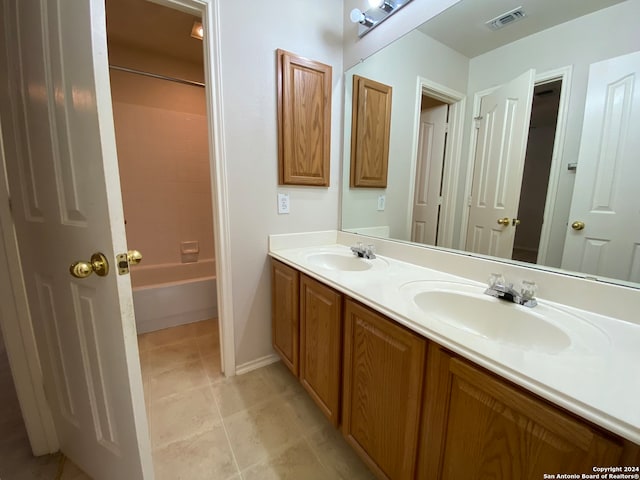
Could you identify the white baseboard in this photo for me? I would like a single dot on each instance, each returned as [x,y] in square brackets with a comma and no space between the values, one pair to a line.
[257,363]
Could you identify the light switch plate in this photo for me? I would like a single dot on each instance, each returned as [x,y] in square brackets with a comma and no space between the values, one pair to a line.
[382,202]
[283,203]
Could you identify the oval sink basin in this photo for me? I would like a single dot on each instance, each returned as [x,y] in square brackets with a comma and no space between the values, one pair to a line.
[466,307]
[493,319]
[335,261]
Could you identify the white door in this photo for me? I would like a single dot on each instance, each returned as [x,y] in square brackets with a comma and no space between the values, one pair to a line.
[63,178]
[427,198]
[608,175]
[499,161]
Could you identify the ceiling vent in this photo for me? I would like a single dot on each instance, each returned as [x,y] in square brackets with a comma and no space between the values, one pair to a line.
[506,18]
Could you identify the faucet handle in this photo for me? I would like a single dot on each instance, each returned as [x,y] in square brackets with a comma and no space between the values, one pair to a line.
[496,279]
[528,289]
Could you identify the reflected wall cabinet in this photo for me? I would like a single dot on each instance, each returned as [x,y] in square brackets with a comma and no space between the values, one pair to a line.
[370,129]
[304,120]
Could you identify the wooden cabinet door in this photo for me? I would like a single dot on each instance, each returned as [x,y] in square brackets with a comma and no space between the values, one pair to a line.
[477,426]
[321,345]
[370,130]
[284,313]
[304,121]
[382,391]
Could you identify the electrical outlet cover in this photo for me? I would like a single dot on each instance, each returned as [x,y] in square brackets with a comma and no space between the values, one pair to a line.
[283,203]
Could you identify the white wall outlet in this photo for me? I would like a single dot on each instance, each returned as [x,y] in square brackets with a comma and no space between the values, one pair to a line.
[283,203]
[382,202]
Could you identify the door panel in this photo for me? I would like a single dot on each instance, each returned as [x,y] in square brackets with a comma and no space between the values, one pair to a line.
[66,205]
[607,174]
[430,162]
[498,165]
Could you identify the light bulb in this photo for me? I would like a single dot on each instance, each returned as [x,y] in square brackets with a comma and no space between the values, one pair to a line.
[376,3]
[356,15]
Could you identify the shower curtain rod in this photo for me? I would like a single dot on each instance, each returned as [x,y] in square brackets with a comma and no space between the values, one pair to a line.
[155,75]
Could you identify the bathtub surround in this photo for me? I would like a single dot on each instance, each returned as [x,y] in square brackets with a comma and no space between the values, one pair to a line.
[173,294]
[161,136]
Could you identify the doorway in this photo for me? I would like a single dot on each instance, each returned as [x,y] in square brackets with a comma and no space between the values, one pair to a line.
[83,213]
[436,163]
[540,209]
[432,141]
[537,170]
[160,117]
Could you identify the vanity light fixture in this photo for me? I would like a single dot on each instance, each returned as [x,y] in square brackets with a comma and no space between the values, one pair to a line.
[357,16]
[197,31]
[386,5]
[378,12]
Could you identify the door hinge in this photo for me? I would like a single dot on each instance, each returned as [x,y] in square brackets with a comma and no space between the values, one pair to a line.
[440,200]
[446,128]
[469,201]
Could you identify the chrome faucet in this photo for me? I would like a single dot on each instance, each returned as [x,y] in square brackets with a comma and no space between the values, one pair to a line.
[364,252]
[499,288]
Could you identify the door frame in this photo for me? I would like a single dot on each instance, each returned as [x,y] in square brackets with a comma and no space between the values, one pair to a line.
[563,74]
[452,156]
[15,318]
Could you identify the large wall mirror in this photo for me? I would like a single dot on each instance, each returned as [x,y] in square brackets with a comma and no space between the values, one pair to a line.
[517,140]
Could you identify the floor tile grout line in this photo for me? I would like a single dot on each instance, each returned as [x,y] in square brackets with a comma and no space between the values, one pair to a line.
[307,441]
[224,427]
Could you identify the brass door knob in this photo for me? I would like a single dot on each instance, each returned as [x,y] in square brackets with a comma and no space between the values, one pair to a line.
[577,225]
[97,264]
[515,222]
[134,257]
[504,221]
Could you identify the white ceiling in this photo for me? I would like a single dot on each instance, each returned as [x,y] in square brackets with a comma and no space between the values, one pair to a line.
[148,26]
[462,26]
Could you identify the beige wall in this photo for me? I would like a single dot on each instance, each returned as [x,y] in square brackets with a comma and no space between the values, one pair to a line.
[251,31]
[161,135]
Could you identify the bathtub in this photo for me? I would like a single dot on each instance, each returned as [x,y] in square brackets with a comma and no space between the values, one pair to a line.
[173,294]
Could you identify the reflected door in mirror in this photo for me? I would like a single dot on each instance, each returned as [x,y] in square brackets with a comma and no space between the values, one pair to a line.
[605,210]
[499,162]
[429,165]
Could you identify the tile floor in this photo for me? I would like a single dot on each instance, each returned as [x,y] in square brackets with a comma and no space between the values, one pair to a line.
[261,425]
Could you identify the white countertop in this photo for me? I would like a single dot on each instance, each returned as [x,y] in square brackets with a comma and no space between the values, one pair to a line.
[596,376]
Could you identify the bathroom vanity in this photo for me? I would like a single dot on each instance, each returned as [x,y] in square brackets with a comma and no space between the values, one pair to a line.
[427,377]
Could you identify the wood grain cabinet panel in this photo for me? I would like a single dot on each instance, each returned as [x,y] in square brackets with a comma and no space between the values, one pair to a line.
[321,345]
[382,391]
[284,313]
[370,130]
[477,426]
[304,120]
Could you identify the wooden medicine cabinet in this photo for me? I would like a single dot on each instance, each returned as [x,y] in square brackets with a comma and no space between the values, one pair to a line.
[304,120]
